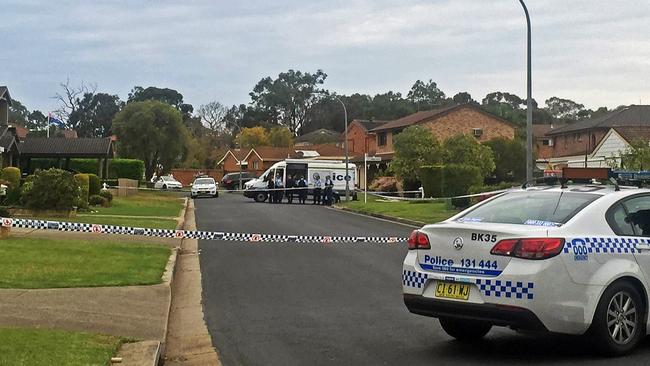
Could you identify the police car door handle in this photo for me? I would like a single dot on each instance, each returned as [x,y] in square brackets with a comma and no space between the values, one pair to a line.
[641,247]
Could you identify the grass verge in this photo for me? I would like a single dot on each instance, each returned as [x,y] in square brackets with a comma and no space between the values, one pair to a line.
[48,263]
[162,204]
[425,212]
[46,347]
[124,221]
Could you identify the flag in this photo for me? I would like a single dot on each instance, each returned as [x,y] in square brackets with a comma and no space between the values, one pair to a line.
[55,121]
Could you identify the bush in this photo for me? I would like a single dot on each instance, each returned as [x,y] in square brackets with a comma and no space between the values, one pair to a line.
[51,189]
[126,168]
[432,180]
[107,195]
[384,184]
[84,184]
[94,184]
[12,176]
[84,165]
[4,212]
[458,179]
[97,200]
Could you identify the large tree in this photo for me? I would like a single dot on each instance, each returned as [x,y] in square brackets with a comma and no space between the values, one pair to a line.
[286,99]
[71,96]
[425,95]
[563,109]
[152,131]
[509,159]
[414,147]
[94,113]
[213,116]
[463,98]
[280,137]
[637,156]
[165,95]
[252,137]
[18,113]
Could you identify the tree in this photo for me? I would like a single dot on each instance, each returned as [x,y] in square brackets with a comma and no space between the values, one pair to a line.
[509,159]
[464,149]
[151,131]
[94,113]
[213,115]
[508,106]
[165,95]
[252,137]
[18,113]
[71,97]
[563,109]
[287,99]
[36,120]
[280,137]
[637,156]
[414,148]
[463,98]
[425,95]
[390,106]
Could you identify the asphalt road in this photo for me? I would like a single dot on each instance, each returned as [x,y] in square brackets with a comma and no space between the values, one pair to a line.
[337,304]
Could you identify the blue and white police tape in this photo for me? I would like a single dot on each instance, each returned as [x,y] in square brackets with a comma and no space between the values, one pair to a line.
[398,198]
[193,234]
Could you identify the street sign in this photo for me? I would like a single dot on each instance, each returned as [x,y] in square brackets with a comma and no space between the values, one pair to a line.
[373,158]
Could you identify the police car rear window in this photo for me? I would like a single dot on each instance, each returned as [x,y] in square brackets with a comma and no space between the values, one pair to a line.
[531,208]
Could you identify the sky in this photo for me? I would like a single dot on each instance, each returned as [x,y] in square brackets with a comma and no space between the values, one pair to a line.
[595,52]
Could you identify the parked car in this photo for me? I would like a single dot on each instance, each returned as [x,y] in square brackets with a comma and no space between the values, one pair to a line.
[204,186]
[167,182]
[231,180]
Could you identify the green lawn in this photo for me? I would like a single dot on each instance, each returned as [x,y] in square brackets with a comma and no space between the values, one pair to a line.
[45,347]
[426,212]
[49,263]
[124,221]
[145,204]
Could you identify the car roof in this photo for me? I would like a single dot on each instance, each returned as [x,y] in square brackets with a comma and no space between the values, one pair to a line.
[600,189]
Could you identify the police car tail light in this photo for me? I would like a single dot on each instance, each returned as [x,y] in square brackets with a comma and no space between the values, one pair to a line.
[529,248]
[418,240]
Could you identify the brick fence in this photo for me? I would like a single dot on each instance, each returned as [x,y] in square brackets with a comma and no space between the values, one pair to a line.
[186,176]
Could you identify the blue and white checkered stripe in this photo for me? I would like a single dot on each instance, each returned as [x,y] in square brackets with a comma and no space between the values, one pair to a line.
[608,245]
[414,279]
[508,289]
[194,234]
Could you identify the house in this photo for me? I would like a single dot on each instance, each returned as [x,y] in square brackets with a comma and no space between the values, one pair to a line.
[231,161]
[597,142]
[63,149]
[320,136]
[8,140]
[260,158]
[360,139]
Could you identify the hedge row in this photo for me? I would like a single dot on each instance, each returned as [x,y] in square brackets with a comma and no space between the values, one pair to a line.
[450,180]
[117,168]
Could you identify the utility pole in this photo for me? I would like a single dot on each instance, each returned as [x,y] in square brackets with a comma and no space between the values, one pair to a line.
[529,105]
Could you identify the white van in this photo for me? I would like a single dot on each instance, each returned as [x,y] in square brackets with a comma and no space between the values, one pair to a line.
[310,169]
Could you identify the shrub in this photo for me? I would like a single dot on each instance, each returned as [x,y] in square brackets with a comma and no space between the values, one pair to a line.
[457,179]
[94,184]
[384,184]
[107,195]
[84,165]
[4,212]
[51,189]
[97,200]
[83,182]
[12,176]
[126,168]
[432,180]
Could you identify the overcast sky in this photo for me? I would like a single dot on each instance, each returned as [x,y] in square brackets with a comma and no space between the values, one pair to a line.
[596,52]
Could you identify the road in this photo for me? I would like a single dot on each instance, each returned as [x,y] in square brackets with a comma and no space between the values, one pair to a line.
[337,304]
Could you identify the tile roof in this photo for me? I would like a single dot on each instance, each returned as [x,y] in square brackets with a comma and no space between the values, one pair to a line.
[4,94]
[369,124]
[322,132]
[323,150]
[631,134]
[414,118]
[270,153]
[63,147]
[631,116]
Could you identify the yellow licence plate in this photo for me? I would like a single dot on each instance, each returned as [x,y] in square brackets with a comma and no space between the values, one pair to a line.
[451,290]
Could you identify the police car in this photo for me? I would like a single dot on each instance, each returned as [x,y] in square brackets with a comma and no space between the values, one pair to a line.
[573,260]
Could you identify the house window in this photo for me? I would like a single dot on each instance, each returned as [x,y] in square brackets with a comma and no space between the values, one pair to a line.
[547,142]
[577,137]
[256,165]
[477,132]
[382,139]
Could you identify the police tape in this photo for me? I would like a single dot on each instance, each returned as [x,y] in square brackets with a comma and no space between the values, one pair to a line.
[192,234]
[398,198]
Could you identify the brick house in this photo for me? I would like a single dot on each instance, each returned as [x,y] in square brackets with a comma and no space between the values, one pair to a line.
[260,158]
[360,139]
[596,142]
[231,160]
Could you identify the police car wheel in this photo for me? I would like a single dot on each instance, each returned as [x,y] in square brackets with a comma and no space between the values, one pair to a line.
[260,197]
[465,330]
[216,194]
[619,321]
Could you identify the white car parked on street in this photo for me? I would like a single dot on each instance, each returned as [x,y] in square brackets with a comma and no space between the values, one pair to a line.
[204,186]
[573,260]
[167,182]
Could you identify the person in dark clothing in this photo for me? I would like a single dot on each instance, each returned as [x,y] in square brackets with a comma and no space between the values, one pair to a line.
[271,194]
[318,185]
[291,183]
[329,186]
[302,192]
[279,193]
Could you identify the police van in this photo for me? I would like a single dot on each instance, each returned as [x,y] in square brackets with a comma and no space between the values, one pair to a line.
[309,169]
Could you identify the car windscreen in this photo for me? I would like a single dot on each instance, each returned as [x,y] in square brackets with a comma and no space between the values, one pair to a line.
[531,208]
[204,181]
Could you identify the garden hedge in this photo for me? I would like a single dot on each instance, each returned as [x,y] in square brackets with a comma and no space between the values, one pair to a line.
[12,176]
[84,183]
[52,189]
[117,168]
[432,180]
[458,178]
[94,184]
[126,168]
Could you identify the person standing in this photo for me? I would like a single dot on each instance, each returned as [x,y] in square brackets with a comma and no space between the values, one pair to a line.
[329,186]
[291,183]
[302,192]
[271,193]
[279,192]
[318,185]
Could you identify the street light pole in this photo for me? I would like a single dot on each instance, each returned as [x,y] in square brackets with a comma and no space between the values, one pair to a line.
[529,104]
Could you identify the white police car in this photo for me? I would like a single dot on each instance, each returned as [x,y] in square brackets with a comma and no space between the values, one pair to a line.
[572,260]
[204,186]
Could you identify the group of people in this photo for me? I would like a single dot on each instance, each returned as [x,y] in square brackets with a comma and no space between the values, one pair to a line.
[323,193]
